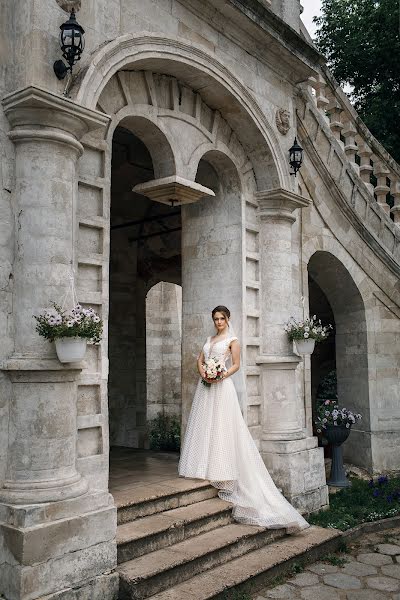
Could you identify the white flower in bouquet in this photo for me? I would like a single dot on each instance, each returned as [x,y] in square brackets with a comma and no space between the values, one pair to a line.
[213,368]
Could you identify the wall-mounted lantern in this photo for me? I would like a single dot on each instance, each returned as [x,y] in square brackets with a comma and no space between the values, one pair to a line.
[72,44]
[295,157]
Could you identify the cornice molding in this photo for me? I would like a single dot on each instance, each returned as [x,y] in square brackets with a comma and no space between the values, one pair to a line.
[279,204]
[33,108]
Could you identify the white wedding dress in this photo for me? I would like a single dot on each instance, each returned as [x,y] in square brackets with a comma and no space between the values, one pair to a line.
[219,447]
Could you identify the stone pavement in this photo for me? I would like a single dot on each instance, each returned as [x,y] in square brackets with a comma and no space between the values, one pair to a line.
[371,572]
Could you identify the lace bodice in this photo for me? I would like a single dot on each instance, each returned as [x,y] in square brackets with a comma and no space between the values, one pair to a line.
[218,349]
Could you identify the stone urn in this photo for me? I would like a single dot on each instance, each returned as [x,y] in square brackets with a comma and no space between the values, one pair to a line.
[336,435]
[70,349]
[305,346]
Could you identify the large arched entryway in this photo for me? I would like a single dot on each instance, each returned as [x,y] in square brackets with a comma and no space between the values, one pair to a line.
[335,298]
[219,137]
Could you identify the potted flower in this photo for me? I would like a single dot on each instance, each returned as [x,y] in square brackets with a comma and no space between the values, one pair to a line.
[305,333]
[334,424]
[70,330]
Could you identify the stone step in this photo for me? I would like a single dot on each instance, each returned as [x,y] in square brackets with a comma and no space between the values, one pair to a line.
[161,569]
[148,500]
[154,532]
[255,569]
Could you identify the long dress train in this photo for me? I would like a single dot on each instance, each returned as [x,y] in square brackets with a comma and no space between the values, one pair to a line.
[219,447]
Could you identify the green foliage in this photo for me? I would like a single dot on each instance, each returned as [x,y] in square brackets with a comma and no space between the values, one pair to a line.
[165,432]
[55,323]
[236,595]
[329,413]
[297,568]
[335,560]
[311,328]
[327,388]
[363,502]
[361,40]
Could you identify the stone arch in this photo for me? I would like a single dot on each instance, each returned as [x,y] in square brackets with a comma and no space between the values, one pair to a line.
[330,275]
[163,349]
[154,139]
[223,162]
[225,108]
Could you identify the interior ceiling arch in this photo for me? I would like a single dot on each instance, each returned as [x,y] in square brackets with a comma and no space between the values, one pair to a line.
[218,88]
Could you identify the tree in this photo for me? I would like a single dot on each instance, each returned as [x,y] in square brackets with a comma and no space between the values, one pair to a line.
[361,41]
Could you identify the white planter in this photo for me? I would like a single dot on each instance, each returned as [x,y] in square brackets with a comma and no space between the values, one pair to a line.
[305,346]
[70,349]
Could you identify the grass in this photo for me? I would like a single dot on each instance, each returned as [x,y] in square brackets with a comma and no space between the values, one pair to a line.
[335,560]
[363,502]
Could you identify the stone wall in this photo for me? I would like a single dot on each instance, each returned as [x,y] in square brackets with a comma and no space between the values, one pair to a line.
[163,349]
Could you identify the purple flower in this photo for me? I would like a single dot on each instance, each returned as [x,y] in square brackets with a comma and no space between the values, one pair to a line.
[376,493]
[371,483]
[389,498]
[383,479]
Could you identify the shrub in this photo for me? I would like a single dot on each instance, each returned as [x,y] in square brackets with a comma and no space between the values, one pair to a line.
[165,432]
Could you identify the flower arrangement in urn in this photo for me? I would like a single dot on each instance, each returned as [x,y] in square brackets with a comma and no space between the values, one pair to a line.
[305,333]
[334,424]
[329,414]
[70,330]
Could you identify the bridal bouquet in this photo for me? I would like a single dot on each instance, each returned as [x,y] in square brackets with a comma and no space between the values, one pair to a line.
[213,367]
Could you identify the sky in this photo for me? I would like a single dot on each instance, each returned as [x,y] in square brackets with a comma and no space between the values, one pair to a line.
[311,9]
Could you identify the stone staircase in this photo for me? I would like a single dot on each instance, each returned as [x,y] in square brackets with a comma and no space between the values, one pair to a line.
[181,542]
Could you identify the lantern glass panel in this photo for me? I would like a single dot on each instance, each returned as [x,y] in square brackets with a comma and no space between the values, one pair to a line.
[67,38]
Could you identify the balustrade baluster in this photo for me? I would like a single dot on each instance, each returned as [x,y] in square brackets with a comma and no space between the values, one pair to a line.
[395,191]
[350,147]
[335,111]
[365,153]
[381,173]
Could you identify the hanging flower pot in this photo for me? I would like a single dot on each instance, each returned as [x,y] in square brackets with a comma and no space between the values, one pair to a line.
[305,346]
[70,349]
[306,333]
[70,330]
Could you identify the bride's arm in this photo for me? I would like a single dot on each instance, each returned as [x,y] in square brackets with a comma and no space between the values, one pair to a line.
[235,351]
[200,367]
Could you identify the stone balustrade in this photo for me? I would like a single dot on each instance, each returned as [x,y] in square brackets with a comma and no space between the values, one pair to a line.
[377,169]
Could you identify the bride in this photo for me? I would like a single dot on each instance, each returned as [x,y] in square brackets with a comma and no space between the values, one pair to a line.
[219,447]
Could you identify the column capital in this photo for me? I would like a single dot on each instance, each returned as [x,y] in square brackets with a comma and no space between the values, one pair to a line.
[279,204]
[34,110]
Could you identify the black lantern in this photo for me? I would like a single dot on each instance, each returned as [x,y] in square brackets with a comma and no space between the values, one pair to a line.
[72,44]
[295,157]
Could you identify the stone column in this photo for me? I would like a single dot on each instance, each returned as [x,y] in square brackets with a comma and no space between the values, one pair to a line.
[294,460]
[44,500]
[42,444]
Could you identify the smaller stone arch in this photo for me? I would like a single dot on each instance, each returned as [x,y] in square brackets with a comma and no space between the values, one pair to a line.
[227,169]
[329,275]
[156,142]
[163,350]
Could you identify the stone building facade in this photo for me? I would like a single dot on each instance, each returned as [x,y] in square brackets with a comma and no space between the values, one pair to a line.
[195,101]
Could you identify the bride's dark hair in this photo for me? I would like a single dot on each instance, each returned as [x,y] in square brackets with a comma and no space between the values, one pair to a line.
[222,309]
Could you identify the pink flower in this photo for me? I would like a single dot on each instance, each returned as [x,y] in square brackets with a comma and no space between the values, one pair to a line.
[326,402]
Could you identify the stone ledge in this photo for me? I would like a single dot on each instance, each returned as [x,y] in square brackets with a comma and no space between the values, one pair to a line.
[278,362]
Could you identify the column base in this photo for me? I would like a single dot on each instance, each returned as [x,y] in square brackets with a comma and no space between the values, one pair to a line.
[33,493]
[297,467]
[61,550]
